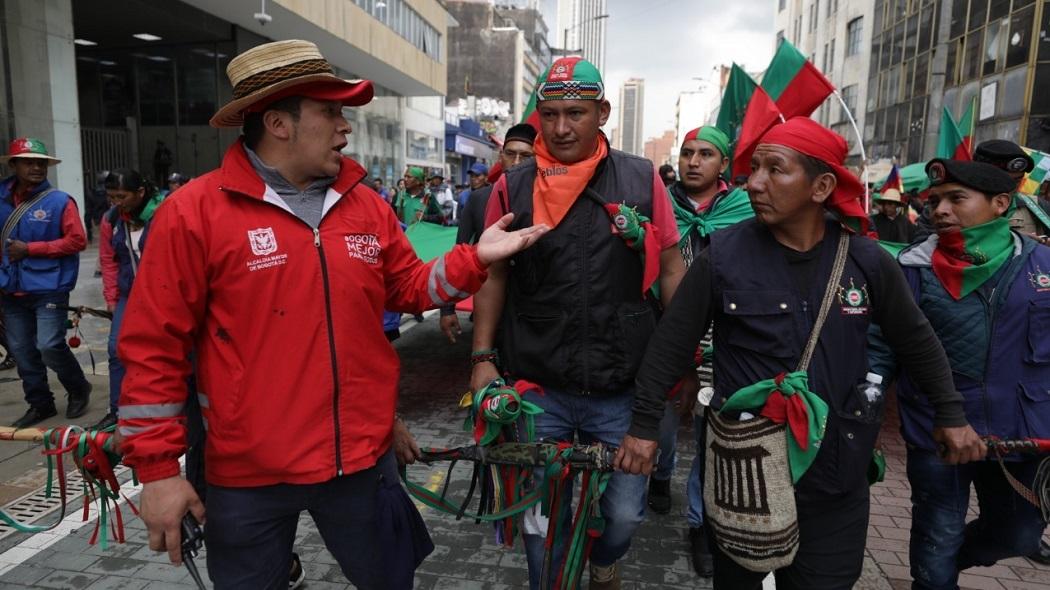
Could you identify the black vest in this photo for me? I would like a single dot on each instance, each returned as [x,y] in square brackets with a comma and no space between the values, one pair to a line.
[575,319]
[762,325]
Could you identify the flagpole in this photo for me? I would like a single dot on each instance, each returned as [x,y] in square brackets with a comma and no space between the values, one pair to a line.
[863,154]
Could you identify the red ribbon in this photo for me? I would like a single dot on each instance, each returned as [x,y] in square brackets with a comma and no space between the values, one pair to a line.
[780,408]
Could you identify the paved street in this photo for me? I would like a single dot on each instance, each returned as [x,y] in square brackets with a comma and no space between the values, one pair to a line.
[434,377]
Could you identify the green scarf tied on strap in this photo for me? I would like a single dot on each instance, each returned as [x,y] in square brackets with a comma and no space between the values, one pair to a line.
[787,398]
[733,208]
[964,259]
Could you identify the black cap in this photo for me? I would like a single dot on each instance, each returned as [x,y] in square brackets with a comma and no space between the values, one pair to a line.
[521,132]
[981,176]
[1005,154]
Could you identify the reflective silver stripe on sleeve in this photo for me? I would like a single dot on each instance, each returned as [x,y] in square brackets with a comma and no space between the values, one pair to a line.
[203,400]
[205,421]
[437,274]
[133,430]
[150,411]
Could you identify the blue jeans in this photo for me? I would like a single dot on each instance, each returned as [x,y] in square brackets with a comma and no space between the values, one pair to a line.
[116,368]
[942,544]
[36,337]
[665,463]
[250,532]
[694,488]
[591,418]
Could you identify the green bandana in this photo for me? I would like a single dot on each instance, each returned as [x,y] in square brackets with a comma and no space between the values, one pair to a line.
[733,208]
[787,398]
[713,136]
[417,173]
[965,259]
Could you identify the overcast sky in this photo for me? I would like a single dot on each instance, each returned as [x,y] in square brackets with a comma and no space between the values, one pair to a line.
[669,42]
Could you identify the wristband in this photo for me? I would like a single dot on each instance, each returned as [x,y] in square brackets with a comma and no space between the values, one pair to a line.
[484,356]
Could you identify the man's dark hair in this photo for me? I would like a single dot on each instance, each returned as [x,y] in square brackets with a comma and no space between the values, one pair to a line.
[814,167]
[664,169]
[253,128]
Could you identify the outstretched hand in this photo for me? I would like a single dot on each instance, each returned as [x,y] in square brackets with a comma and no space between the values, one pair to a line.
[496,243]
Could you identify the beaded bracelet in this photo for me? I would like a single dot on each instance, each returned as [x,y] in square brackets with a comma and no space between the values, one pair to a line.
[484,356]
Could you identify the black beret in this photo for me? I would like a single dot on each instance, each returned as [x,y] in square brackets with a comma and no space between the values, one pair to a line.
[981,176]
[1005,154]
[521,132]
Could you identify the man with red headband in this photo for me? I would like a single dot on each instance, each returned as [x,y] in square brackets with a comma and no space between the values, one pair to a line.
[763,282]
[574,314]
[275,270]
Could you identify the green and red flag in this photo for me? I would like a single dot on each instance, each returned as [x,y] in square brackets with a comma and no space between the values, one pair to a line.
[794,83]
[964,259]
[762,114]
[735,99]
[966,129]
[951,143]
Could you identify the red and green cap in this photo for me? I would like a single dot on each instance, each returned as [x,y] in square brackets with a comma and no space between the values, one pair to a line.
[571,78]
[712,135]
[28,147]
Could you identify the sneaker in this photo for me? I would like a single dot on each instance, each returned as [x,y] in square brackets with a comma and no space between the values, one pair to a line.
[605,577]
[34,415]
[700,551]
[298,574]
[107,421]
[660,495]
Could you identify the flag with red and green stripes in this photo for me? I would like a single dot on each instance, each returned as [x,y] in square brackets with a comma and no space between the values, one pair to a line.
[794,83]
[746,113]
[954,141]
[965,258]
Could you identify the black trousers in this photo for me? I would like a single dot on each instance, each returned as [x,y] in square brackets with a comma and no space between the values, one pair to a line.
[832,534]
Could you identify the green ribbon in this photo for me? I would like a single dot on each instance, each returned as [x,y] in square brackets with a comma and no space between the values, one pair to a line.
[729,210]
[753,397]
[496,406]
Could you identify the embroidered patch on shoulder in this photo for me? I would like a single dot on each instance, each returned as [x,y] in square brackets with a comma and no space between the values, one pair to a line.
[854,300]
[1040,280]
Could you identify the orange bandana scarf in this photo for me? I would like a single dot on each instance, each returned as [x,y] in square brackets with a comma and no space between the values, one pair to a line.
[557,185]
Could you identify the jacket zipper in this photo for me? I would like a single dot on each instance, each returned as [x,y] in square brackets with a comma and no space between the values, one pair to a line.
[331,350]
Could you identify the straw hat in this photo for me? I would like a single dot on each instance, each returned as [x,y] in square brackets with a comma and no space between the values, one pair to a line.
[892,195]
[272,71]
[28,147]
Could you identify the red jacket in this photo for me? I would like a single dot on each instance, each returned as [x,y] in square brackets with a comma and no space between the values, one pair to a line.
[297,382]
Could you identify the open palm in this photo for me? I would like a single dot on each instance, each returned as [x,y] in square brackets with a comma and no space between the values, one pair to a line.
[496,243]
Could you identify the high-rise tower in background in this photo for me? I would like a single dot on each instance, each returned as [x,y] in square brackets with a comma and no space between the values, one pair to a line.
[581,29]
[632,109]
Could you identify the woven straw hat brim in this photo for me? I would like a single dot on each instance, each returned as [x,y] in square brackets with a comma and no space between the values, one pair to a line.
[890,199]
[232,113]
[51,160]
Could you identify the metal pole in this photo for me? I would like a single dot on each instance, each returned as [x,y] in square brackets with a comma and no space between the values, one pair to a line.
[863,154]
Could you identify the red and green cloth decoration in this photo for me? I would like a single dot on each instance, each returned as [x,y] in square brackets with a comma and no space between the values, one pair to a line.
[964,259]
[498,406]
[787,398]
[955,140]
[95,455]
[640,234]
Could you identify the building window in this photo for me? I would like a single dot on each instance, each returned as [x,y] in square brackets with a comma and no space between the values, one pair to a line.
[853,34]
[405,21]
[849,97]
[812,18]
[831,56]
[781,5]
[780,38]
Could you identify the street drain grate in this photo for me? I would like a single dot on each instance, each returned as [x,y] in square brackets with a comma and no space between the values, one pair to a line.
[34,506]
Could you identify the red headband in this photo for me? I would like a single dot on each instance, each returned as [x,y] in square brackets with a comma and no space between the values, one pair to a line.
[806,136]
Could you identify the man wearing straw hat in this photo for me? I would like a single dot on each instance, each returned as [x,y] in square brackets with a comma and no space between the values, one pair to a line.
[275,269]
[890,222]
[42,236]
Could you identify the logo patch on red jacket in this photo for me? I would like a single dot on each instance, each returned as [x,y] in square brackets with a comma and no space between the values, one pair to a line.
[364,247]
[264,243]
